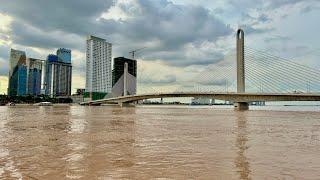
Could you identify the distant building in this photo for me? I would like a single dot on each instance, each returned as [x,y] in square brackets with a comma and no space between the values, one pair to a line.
[17,73]
[52,58]
[64,55]
[80,91]
[201,101]
[30,76]
[98,65]
[34,76]
[58,74]
[77,98]
[118,76]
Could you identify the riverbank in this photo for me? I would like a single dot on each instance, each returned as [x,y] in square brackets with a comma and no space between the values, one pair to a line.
[56,105]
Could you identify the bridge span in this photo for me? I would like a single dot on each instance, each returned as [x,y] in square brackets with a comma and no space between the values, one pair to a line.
[241,99]
[274,80]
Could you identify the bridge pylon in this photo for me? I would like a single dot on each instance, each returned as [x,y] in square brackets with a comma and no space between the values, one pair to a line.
[125,82]
[241,85]
[240,62]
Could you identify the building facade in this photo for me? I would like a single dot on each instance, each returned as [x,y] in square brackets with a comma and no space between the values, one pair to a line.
[34,76]
[30,76]
[64,55]
[98,65]
[58,75]
[120,82]
[201,101]
[17,73]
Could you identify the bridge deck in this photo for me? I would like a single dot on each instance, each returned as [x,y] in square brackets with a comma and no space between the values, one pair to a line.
[235,97]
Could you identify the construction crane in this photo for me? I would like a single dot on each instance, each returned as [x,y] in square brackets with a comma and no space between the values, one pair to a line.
[135,51]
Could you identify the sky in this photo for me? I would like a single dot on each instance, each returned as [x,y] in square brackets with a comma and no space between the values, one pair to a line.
[183,38]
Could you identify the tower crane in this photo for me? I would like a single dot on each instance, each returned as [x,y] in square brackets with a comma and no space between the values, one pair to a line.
[135,51]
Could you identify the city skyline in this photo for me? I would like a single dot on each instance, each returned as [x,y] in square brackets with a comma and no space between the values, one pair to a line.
[32,76]
[177,49]
[159,89]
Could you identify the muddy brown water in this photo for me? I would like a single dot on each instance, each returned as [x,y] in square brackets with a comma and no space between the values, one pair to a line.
[158,142]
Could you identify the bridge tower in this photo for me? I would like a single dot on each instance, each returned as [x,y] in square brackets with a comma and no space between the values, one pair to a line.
[240,70]
[125,86]
[240,62]
[125,82]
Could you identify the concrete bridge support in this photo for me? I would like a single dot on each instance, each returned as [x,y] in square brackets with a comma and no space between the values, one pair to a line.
[241,85]
[241,106]
[125,82]
[125,104]
[240,62]
[91,104]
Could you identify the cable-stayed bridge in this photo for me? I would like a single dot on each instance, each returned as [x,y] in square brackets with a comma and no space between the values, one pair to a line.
[255,76]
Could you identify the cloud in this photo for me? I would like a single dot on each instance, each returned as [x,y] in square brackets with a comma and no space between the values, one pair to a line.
[263,18]
[4,51]
[181,39]
[73,16]
[78,82]
[249,29]
[280,3]
[4,60]
[160,80]
[3,67]
[161,76]
[51,24]
[277,39]
[29,36]
[159,25]
[246,5]
[3,84]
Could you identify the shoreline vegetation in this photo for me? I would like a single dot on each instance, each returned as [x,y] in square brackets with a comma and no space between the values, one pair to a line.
[4,100]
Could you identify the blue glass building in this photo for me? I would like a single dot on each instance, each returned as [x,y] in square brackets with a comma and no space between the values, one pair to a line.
[34,82]
[64,55]
[52,58]
[22,80]
[18,81]
[58,73]
[17,73]
[34,76]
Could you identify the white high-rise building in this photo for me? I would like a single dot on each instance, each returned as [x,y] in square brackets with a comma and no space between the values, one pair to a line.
[98,66]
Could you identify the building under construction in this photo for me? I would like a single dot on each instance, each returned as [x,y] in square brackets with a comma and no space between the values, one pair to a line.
[120,81]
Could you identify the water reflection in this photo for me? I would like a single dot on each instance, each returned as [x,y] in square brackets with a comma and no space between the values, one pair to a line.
[78,120]
[100,138]
[8,166]
[241,161]
[76,144]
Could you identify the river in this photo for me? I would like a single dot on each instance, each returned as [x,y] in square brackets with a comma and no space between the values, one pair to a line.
[164,142]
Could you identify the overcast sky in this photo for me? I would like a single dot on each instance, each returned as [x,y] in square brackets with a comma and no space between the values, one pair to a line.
[183,37]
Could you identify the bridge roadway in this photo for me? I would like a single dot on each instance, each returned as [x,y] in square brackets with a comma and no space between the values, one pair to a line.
[230,96]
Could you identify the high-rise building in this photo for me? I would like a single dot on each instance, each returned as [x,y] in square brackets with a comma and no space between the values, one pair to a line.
[34,76]
[64,55]
[120,81]
[17,73]
[58,74]
[98,65]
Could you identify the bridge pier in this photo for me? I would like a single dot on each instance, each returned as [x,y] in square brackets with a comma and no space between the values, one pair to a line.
[92,104]
[125,104]
[241,106]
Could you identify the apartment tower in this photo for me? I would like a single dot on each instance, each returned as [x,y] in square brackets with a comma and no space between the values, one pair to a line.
[98,65]
[59,73]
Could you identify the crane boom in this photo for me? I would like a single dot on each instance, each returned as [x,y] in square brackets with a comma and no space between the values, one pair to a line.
[134,52]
